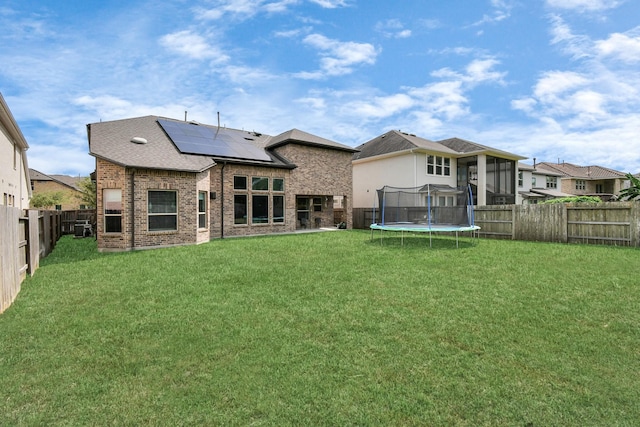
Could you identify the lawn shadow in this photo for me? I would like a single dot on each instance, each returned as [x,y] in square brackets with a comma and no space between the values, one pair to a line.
[422,241]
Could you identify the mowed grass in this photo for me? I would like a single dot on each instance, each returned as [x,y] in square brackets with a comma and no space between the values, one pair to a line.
[326,329]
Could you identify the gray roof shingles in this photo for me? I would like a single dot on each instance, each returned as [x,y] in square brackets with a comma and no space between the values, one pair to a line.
[112,141]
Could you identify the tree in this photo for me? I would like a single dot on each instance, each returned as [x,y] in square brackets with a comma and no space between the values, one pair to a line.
[87,192]
[633,192]
[47,200]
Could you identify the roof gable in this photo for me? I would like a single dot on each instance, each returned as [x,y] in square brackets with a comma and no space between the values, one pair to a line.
[296,136]
[397,141]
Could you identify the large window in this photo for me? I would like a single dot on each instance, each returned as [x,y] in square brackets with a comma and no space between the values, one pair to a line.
[278,184]
[240,209]
[239,182]
[438,165]
[260,209]
[252,198]
[259,183]
[202,209]
[163,210]
[552,182]
[112,201]
[278,208]
[580,184]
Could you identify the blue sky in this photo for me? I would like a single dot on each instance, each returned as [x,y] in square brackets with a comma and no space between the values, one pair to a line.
[558,80]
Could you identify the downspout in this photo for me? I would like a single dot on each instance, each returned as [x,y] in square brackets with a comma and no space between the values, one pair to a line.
[222,200]
[133,214]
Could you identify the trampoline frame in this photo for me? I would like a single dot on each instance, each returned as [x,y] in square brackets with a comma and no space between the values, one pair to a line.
[424,228]
[427,227]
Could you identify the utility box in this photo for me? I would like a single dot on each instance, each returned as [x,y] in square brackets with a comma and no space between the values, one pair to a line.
[82,228]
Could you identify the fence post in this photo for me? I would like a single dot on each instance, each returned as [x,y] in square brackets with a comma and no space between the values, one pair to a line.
[34,241]
[564,217]
[634,224]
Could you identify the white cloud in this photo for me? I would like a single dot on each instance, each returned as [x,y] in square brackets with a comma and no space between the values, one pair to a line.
[192,45]
[330,4]
[243,9]
[392,28]
[620,46]
[502,11]
[578,46]
[380,106]
[338,58]
[584,5]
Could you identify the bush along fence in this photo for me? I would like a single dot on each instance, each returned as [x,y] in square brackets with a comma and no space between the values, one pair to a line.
[25,238]
[612,223]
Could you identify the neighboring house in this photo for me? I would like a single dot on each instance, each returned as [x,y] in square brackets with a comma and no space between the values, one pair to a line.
[401,159]
[14,171]
[536,185]
[163,182]
[67,185]
[587,180]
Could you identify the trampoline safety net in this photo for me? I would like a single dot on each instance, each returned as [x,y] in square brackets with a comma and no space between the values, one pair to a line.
[429,205]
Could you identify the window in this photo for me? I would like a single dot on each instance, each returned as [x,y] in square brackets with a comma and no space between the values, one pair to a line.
[239,182]
[259,183]
[240,209]
[599,188]
[438,165]
[552,182]
[202,209]
[259,209]
[317,204]
[58,207]
[533,182]
[520,179]
[580,184]
[112,201]
[278,208]
[163,210]
[278,184]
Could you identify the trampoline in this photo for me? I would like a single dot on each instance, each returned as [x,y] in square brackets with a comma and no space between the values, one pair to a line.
[431,208]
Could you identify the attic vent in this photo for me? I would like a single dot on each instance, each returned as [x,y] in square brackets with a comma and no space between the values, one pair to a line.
[249,139]
[138,140]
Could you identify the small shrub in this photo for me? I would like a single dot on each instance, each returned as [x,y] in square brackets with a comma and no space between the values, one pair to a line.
[574,199]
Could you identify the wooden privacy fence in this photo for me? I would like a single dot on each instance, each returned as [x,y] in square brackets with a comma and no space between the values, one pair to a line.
[25,238]
[614,223]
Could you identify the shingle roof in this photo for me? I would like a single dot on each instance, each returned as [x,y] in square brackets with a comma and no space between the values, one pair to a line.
[301,137]
[112,141]
[396,141]
[69,181]
[570,170]
[464,146]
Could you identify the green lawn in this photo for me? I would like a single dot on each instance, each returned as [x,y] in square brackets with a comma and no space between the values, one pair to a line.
[326,329]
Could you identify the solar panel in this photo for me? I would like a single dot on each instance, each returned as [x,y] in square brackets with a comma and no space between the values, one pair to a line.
[191,138]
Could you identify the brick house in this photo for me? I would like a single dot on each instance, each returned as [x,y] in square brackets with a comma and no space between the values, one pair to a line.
[164,182]
[585,180]
[65,184]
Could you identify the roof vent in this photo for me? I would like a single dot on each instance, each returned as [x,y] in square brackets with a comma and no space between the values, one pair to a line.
[138,140]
